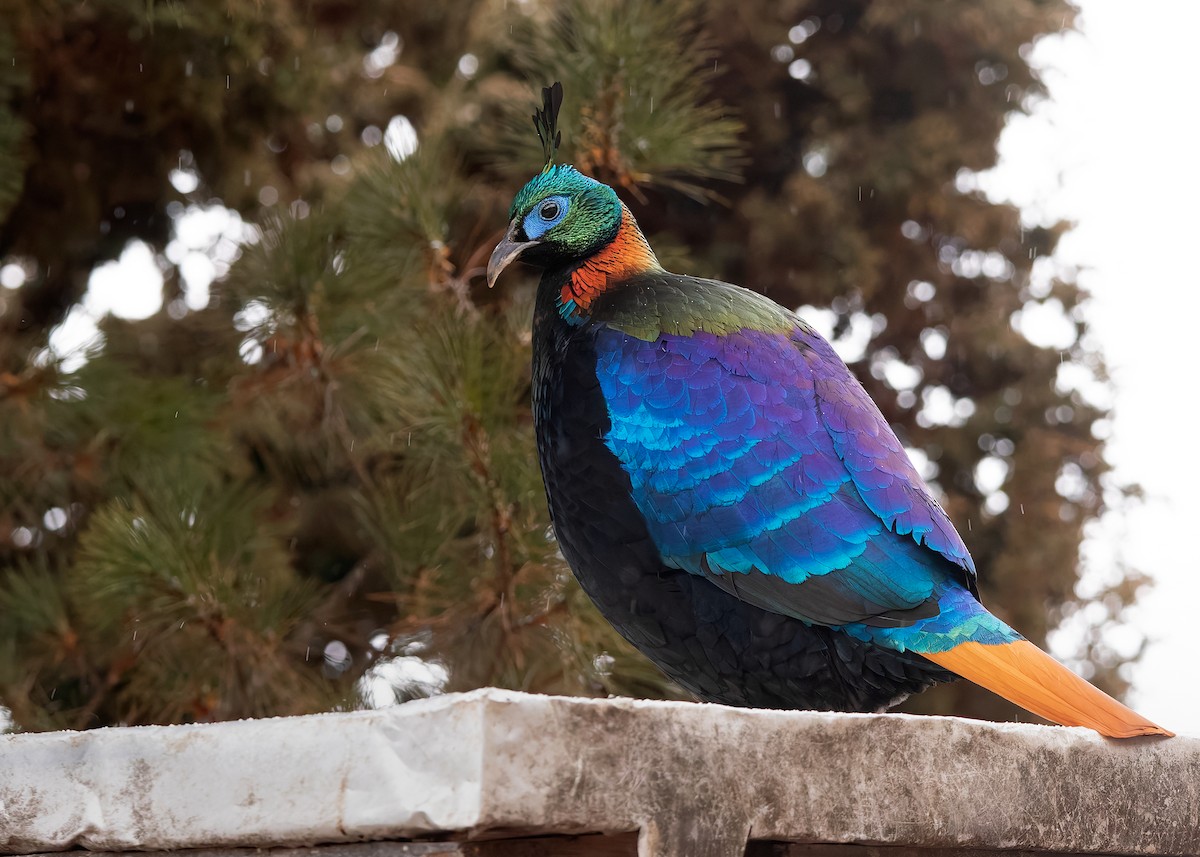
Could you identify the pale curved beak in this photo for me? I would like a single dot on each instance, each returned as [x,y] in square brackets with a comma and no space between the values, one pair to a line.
[506,252]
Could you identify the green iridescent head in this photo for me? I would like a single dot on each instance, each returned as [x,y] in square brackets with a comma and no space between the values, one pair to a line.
[559,217]
[566,210]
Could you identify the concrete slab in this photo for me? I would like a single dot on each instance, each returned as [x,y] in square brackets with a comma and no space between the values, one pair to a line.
[692,779]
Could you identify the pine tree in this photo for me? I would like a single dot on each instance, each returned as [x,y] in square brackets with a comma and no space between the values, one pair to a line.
[318,490]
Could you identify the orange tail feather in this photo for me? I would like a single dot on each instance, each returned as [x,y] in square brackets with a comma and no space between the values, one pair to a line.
[1025,675]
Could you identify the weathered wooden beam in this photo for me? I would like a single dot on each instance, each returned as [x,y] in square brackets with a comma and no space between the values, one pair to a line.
[598,845]
[670,779]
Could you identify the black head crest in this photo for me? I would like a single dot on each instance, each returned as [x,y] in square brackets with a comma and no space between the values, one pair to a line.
[545,122]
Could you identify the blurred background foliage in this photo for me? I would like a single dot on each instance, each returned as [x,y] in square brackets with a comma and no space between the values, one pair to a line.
[279,457]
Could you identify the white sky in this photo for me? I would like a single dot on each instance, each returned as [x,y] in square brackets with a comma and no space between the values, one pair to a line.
[1115,150]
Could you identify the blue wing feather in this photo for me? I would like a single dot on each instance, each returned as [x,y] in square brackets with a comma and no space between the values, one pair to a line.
[757,459]
[878,464]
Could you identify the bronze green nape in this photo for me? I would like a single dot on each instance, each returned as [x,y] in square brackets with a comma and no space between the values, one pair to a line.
[652,304]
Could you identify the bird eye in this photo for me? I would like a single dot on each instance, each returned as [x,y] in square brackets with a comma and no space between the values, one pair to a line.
[546,214]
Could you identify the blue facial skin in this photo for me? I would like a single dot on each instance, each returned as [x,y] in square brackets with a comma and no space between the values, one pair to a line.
[545,216]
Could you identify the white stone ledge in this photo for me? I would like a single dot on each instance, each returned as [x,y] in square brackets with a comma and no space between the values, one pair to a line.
[695,780]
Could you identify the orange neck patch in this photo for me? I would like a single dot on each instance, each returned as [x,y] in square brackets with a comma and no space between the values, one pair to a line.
[627,254]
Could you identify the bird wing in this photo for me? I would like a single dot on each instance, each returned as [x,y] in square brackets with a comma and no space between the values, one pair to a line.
[760,463]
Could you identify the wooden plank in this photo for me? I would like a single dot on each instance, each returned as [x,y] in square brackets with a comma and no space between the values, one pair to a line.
[596,845]
[620,845]
[356,849]
[695,778]
[794,849]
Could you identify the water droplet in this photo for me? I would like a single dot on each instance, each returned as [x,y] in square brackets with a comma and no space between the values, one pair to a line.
[468,65]
[800,69]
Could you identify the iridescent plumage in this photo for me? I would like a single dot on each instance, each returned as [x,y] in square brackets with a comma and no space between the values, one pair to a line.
[732,499]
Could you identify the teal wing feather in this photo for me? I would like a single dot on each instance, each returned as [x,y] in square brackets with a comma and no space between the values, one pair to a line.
[759,461]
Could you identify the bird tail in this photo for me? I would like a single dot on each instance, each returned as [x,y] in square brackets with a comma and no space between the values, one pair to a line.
[1025,675]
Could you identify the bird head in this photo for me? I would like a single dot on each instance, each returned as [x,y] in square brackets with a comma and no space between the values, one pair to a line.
[560,217]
